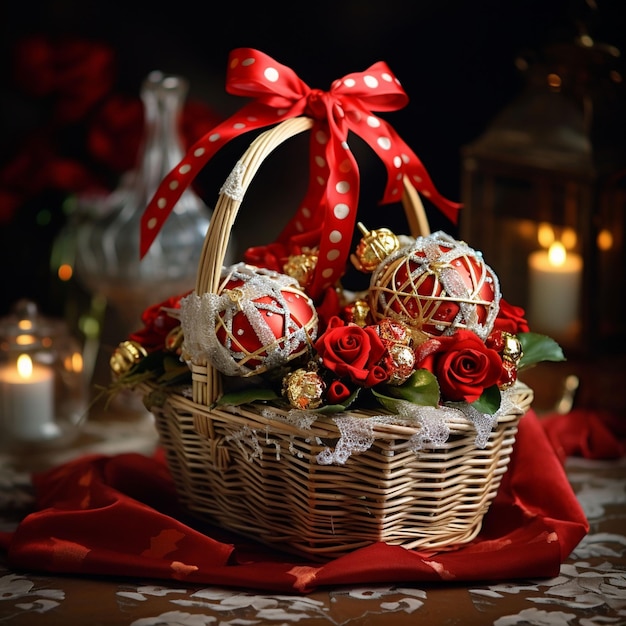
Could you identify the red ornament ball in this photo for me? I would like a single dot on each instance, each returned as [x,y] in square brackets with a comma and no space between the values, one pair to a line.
[436,285]
[262,320]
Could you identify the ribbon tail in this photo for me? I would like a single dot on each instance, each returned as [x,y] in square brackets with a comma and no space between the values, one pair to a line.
[400,161]
[419,177]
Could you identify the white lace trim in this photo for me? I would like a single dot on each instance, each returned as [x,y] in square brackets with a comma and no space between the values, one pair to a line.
[233,185]
[199,316]
[356,434]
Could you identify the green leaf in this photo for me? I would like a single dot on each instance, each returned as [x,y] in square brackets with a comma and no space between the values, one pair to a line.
[247,395]
[538,348]
[489,401]
[420,388]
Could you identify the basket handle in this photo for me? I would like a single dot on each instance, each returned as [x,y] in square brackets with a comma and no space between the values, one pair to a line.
[227,206]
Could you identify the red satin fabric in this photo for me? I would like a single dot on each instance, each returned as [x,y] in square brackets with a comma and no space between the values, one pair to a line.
[590,434]
[119,516]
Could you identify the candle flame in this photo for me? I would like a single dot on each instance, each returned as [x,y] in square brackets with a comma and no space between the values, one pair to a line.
[24,366]
[557,254]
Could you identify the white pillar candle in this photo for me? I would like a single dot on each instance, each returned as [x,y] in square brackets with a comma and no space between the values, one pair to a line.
[27,401]
[554,290]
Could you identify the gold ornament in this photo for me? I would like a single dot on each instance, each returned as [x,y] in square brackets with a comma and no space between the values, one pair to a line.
[301,266]
[125,356]
[393,331]
[304,389]
[374,247]
[357,312]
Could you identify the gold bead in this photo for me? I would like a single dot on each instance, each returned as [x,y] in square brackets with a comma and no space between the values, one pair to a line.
[127,354]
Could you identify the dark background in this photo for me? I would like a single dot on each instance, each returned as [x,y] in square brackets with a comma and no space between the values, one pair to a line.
[454,58]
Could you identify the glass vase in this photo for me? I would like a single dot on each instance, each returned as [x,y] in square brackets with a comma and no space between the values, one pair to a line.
[107,247]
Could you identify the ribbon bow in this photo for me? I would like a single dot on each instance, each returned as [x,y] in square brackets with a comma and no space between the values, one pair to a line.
[330,204]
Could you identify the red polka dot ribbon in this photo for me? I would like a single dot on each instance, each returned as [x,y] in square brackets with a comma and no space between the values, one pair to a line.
[330,204]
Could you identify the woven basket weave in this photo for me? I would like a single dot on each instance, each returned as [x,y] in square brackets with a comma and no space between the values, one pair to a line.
[248,472]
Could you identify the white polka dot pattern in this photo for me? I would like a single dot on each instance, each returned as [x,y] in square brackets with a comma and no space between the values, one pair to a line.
[330,204]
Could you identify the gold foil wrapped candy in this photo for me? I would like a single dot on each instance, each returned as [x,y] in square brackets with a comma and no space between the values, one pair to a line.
[304,389]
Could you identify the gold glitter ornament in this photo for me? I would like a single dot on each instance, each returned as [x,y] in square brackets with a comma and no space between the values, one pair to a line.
[512,350]
[373,248]
[393,331]
[398,340]
[174,340]
[125,356]
[403,364]
[301,267]
[304,389]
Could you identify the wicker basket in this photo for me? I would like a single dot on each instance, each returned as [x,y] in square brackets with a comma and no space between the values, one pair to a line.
[248,472]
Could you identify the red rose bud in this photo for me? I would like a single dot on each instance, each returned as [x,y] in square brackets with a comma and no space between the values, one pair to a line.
[337,392]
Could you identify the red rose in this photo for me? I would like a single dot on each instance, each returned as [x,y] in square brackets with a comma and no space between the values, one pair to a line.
[350,351]
[462,363]
[511,319]
[157,324]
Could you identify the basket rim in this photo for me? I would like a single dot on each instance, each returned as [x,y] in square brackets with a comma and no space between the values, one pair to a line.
[383,424]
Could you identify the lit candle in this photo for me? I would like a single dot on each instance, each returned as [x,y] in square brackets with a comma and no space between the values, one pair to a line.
[555,277]
[27,401]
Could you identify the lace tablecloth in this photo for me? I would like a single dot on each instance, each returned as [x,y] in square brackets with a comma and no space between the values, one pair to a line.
[590,590]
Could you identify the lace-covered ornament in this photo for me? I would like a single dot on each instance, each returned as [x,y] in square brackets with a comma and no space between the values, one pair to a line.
[258,320]
[436,285]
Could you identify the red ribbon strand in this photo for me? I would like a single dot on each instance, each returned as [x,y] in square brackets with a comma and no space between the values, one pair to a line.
[330,204]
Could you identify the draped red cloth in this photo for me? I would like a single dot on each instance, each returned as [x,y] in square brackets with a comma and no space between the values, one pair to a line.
[119,516]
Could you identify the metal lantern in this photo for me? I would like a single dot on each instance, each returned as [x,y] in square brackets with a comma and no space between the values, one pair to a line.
[544,190]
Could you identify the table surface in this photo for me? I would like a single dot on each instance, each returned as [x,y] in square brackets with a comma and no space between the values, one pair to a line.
[590,590]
